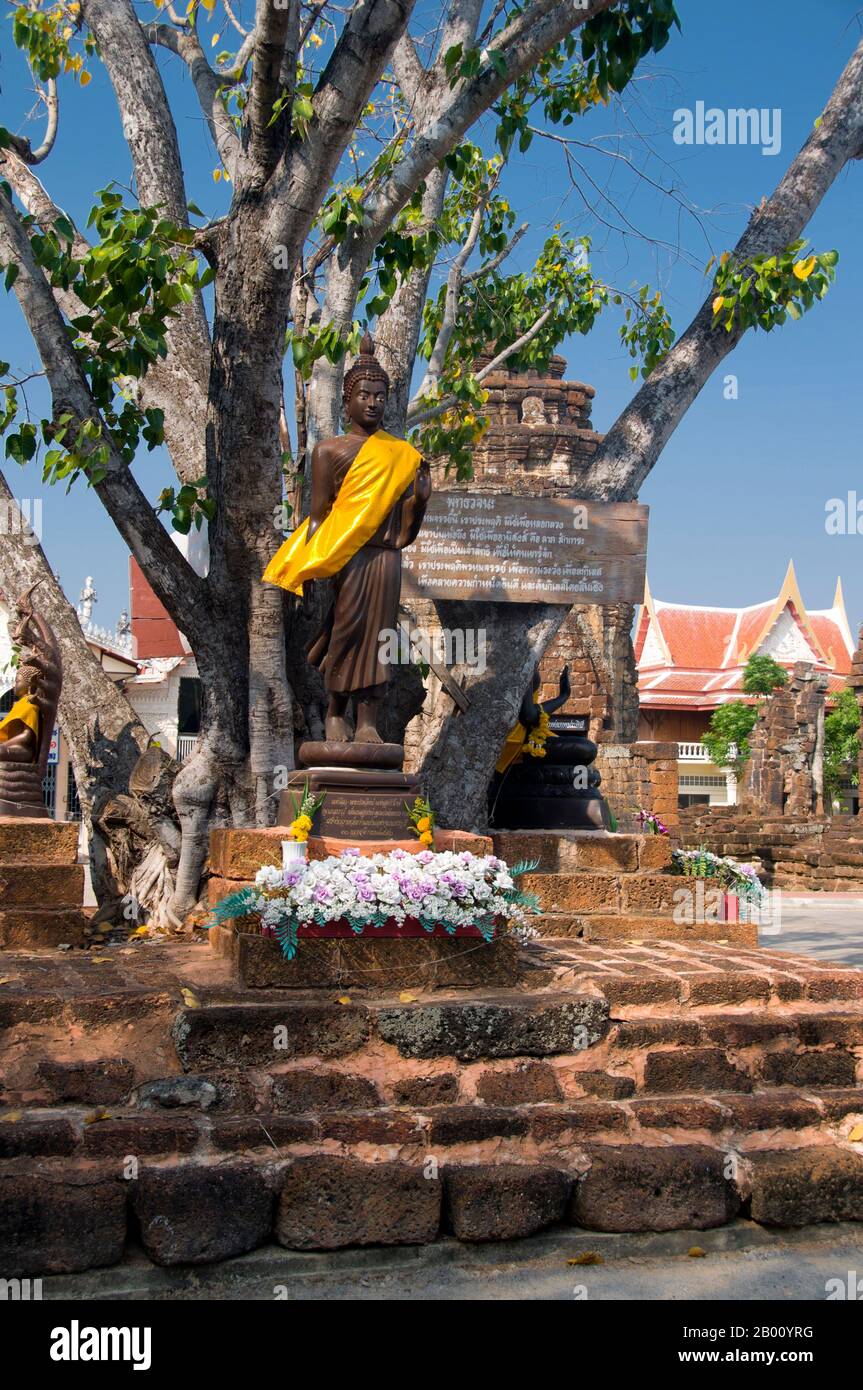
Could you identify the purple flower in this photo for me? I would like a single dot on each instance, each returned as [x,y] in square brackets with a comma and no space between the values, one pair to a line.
[351,853]
[293,875]
[323,894]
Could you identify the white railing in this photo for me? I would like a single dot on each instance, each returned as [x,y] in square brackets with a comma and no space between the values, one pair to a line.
[697,752]
[185,746]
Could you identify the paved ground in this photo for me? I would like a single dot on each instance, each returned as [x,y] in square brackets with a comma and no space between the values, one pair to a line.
[828,926]
[741,1262]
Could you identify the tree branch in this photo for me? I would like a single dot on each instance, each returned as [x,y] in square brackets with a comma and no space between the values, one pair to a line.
[520,44]
[277,35]
[637,438]
[151,135]
[166,385]
[172,578]
[22,146]
[499,258]
[415,418]
[186,45]
[437,359]
[306,169]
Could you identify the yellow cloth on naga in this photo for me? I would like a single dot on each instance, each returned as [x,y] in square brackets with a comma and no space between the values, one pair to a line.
[515,743]
[382,470]
[23,712]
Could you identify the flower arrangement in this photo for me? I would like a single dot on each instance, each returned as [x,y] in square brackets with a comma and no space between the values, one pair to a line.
[733,877]
[536,740]
[422,819]
[651,824]
[461,893]
[306,807]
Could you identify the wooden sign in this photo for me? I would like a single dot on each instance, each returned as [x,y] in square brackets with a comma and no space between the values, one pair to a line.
[492,546]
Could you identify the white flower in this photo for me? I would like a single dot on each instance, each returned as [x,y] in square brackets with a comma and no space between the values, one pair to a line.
[269,877]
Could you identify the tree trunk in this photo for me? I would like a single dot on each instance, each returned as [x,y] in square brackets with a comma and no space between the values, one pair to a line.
[459,751]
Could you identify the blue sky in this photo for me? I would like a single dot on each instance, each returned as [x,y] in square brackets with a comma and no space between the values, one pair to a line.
[741,488]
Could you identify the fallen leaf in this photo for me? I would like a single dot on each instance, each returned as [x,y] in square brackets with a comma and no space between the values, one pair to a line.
[695,1252]
[12,1117]
[141,931]
[96,1115]
[406,997]
[590,1257]
[343,999]
[7,980]
[190,999]
[100,960]
[855,1137]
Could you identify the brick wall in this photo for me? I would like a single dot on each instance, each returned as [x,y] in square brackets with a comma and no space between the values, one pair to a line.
[640,777]
[785,770]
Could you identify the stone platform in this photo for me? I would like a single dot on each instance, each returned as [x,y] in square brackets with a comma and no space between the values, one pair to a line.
[41,885]
[591,885]
[364,962]
[616,1086]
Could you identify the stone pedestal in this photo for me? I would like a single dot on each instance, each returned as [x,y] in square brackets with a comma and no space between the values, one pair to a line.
[364,790]
[370,962]
[41,885]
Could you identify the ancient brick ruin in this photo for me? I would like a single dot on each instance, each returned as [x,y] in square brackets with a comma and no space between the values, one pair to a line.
[779,824]
[785,768]
[855,680]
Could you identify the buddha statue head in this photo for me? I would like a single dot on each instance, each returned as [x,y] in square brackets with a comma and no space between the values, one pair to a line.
[366,388]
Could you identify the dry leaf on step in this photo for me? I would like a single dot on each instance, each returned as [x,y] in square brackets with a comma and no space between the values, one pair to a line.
[855,1137]
[190,999]
[695,1252]
[343,999]
[590,1257]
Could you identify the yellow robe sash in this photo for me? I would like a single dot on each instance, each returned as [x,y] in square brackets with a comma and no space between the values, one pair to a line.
[24,712]
[514,746]
[382,470]
[515,741]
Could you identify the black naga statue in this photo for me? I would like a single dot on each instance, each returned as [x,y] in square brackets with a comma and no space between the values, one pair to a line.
[543,779]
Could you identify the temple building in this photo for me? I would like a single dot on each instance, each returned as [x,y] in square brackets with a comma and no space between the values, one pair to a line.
[691,660]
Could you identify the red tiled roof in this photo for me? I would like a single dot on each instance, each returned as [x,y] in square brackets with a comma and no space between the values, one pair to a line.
[698,655]
[696,636]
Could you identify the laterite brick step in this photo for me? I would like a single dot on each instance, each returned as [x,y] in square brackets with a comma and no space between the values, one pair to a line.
[62,1213]
[624,1086]
[612,926]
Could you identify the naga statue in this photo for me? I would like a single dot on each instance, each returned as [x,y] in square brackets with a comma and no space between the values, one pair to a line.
[544,779]
[26,731]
